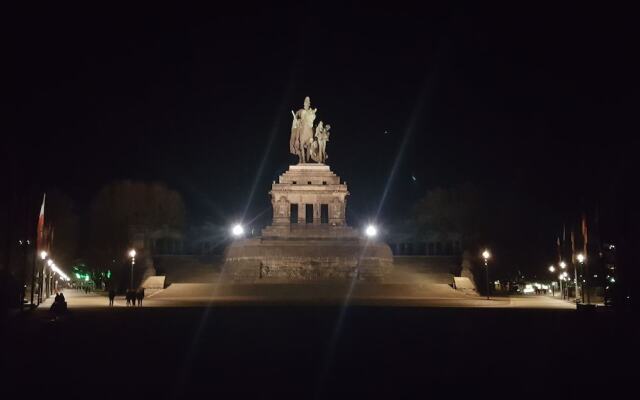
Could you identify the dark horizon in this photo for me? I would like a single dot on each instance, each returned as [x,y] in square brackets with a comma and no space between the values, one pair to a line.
[535,103]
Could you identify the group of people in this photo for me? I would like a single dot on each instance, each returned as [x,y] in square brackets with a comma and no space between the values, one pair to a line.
[133,297]
[59,304]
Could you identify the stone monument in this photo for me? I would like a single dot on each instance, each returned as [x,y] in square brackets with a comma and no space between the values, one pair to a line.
[309,238]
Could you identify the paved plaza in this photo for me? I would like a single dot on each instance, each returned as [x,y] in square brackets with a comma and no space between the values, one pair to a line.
[203,295]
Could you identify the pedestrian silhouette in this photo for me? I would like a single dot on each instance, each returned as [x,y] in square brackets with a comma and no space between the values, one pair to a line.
[59,305]
[140,296]
[112,296]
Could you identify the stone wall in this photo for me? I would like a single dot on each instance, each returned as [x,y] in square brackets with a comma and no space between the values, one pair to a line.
[188,268]
[305,260]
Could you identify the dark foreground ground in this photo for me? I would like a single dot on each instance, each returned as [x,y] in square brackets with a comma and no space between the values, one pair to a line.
[318,352]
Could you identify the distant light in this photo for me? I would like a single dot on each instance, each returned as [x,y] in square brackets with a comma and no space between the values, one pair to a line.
[43,255]
[486,255]
[49,262]
[563,264]
[371,231]
[552,268]
[57,270]
[132,253]
[237,230]
[580,257]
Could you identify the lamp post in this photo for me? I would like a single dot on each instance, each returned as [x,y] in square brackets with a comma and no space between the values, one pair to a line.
[563,265]
[560,278]
[564,277]
[552,269]
[486,255]
[581,259]
[50,263]
[43,257]
[132,255]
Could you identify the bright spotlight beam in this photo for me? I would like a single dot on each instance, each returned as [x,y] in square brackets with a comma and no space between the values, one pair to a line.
[371,231]
[237,230]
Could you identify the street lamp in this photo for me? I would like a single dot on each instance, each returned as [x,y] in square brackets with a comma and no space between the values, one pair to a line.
[43,257]
[47,279]
[564,277]
[486,255]
[552,269]
[582,259]
[53,268]
[132,255]
[563,264]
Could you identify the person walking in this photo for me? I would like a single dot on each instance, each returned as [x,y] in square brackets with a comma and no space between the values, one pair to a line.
[140,296]
[112,296]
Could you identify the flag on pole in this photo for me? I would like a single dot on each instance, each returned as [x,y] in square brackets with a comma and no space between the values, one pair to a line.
[585,234]
[40,231]
[573,247]
[559,249]
[50,237]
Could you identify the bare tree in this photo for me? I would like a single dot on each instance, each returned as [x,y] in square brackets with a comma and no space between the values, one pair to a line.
[121,205]
[62,223]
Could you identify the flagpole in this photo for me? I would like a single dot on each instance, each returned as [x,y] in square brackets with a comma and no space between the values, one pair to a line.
[573,262]
[585,237]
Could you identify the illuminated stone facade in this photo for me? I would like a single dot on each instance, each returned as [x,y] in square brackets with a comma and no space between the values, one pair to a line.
[309,238]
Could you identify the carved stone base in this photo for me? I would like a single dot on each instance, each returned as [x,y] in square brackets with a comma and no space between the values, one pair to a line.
[307,260]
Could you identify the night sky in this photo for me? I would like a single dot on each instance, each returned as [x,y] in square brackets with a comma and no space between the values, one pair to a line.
[537,100]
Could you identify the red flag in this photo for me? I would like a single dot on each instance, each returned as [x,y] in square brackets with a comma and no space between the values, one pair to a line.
[40,231]
[585,233]
[50,237]
[573,247]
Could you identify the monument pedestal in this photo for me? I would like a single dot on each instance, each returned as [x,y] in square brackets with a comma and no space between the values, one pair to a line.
[309,238]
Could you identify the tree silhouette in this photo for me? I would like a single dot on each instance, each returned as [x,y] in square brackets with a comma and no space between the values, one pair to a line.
[122,206]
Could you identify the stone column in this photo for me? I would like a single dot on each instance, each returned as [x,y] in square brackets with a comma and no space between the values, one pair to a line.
[302,213]
[316,213]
